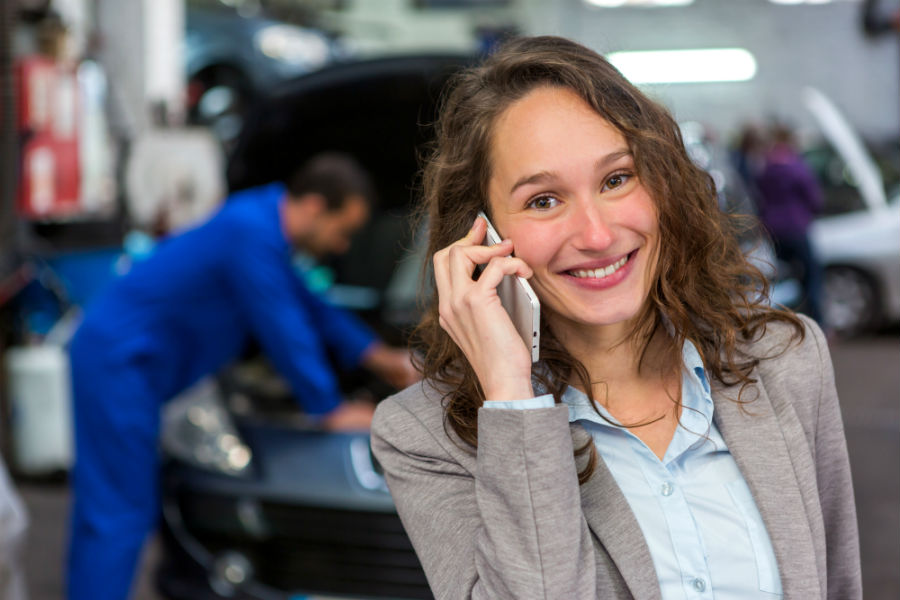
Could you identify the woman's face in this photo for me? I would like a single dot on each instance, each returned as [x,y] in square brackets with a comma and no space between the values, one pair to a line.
[564,189]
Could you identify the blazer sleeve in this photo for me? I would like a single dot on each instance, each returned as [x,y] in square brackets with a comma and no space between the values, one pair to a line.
[513,528]
[835,486]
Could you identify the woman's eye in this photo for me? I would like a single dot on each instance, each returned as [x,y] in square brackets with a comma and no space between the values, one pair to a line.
[615,181]
[543,202]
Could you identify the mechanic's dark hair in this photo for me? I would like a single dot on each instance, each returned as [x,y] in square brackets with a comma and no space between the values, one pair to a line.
[703,289]
[334,175]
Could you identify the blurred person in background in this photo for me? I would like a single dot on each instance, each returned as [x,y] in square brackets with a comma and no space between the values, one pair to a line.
[748,157]
[182,314]
[679,437]
[789,198]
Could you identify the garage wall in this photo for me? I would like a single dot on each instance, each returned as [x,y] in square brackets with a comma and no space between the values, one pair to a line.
[795,46]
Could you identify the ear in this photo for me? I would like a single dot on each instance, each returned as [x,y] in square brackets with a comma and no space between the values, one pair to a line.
[312,203]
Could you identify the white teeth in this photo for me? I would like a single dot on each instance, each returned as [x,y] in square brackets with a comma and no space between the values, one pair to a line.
[600,273]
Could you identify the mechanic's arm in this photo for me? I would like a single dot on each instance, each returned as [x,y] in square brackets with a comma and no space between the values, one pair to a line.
[354,344]
[263,284]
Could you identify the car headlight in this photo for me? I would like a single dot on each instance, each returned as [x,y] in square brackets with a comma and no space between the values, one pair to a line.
[197,429]
[293,45]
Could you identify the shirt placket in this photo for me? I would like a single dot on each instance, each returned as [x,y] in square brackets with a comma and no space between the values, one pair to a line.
[684,534]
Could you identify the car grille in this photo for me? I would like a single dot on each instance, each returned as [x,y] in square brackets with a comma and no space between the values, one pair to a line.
[311,549]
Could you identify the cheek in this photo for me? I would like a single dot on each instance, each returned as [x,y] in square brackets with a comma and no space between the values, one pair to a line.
[642,216]
[536,245]
[645,221]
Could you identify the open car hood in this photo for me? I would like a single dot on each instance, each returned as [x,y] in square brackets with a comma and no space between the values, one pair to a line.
[380,111]
[847,143]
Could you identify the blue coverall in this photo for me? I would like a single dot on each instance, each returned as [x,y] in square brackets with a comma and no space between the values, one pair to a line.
[179,315]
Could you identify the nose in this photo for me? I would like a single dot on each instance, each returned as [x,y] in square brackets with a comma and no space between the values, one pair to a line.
[590,227]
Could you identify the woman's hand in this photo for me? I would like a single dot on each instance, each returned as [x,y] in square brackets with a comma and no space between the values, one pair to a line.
[471,313]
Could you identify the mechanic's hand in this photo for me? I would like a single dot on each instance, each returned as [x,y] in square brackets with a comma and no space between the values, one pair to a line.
[471,313]
[350,416]
[393,365]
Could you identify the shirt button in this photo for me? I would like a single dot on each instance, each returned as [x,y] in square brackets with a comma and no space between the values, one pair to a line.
[699,585]
[666,489]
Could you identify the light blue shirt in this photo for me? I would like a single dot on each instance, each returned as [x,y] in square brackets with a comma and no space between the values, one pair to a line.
[704,531]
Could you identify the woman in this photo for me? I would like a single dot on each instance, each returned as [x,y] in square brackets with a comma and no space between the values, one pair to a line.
[678,438]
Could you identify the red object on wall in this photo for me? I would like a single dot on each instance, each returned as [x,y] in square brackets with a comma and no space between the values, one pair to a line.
[50,166]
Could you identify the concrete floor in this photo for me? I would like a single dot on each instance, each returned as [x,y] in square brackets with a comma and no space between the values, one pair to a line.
[868,378]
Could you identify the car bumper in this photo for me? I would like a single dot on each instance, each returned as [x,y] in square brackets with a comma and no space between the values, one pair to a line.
[308,519]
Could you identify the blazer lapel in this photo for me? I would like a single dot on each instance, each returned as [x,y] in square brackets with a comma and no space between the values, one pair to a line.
[756,440]
[610,518]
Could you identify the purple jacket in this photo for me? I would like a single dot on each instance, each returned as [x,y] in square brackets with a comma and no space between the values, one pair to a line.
[789,194]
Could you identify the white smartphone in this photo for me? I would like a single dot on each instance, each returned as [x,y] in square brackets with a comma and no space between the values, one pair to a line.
[518,299]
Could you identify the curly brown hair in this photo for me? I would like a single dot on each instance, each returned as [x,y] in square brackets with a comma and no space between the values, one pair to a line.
[703,286]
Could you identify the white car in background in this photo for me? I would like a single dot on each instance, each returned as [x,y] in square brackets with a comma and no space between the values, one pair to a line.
[859,249]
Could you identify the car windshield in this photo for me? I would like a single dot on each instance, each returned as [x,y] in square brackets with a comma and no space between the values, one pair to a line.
[841,190]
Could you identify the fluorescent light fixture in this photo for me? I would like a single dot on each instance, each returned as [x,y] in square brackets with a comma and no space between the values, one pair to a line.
[642,3]
[685,66]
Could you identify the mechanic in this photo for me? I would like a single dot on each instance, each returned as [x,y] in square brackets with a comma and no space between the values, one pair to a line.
[182,314]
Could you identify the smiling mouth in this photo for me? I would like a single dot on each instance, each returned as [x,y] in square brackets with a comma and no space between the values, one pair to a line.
[601,272]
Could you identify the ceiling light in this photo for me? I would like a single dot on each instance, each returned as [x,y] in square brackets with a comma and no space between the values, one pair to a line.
[644,3]
[806,1]
[685,66]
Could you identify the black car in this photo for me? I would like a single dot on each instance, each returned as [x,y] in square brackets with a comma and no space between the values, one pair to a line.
[235,51]
[258,503]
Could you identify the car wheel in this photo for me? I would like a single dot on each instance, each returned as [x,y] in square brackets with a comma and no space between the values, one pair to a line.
[219,99]
[850,303]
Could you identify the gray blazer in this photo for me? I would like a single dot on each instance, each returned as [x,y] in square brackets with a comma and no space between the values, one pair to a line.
[511,521]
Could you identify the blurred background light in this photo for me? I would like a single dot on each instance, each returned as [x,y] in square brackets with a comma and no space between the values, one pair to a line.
[293,45]
[808,1]
[646,3]
[685,66]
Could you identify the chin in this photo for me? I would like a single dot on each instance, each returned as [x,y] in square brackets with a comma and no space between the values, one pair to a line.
[600,313]
[603,318]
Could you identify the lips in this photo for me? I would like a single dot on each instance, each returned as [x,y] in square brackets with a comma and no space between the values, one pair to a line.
[600,272]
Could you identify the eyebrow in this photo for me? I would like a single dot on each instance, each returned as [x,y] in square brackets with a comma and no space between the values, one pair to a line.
[544,176]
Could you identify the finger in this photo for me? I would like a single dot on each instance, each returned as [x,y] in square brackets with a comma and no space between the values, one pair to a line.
[476,232]
[472,239]
[463,259]
[458,262]
[500,267]
[442,273]
[476,254]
